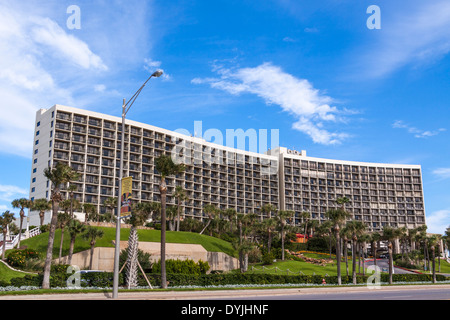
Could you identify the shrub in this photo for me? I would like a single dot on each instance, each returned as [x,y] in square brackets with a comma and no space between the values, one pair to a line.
[267,258]
[182,267]
[143,258]
[18,258]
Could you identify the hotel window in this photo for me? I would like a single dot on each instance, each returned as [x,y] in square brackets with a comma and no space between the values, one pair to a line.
[35,161]
[34,170]
[34,180]
[36,143]
[38,124]
[37,132]
[33,189]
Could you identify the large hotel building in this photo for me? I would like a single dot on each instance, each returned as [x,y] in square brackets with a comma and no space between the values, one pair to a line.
[380,194]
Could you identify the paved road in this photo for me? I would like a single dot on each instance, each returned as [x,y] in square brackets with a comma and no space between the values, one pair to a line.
[383,264]
[410,292]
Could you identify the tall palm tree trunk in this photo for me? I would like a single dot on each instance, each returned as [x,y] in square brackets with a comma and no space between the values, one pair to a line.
[163,190]
[338,255]
[20,227]
[72,244]
[56,197]
[92,255]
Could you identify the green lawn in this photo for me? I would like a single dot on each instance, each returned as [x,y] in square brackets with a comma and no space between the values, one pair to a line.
[6,274]
[305,267]
[39,243]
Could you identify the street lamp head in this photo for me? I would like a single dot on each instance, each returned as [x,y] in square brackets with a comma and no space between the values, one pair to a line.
[158,74]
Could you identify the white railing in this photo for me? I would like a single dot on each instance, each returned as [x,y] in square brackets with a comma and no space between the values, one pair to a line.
[11,241]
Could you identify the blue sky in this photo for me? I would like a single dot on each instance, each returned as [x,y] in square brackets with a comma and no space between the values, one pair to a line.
[313,70]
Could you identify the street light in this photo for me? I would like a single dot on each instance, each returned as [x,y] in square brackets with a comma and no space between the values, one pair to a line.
[125,108]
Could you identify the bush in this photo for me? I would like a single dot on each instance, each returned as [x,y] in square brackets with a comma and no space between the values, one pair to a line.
[143,258]
[267,258]
[182,266]
[18,258]
[318,244]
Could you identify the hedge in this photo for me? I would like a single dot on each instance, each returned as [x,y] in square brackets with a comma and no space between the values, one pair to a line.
[105,279]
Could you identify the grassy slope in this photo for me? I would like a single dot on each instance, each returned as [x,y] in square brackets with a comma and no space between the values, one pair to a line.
[7,274]
[212,244]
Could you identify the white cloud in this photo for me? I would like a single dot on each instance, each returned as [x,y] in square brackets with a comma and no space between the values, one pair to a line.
[418,133]
[438,221]
[38,61]
[413,34]
[443,173]
[296,96]
[9,193]
[48,33]
[151,64]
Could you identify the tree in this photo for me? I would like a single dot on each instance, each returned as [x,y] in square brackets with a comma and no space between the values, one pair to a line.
[433,242]
[21,204]
[111,204]
[73,206]
[59,175]
[90,212]
[211,211]
[181,196]
[41,205]
[139,215]
[326,229]
[269,209]
[171,214]
[390,235]
[283,216]
[165,167]
[374,239]
[63,220]
[269,225]
[91,235]
[356,229]
[230,213]
[338,217]
[5,220]
[75,228]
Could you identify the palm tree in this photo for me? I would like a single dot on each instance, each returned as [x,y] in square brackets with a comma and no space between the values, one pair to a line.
[269,209]
[91,235]
[345,235]
[363,240]
[41,205]
[90,212]
[433,242]
[63,220]
[181,196]
[356,229]
[165,167]
[230,213]
[138,217]
[390,235]
[171,216]
[269,225]
[72,188]
[59,175]
[5,220]
[211,211]
[75,228]
[21,204]
[283,216]
[374,239]
[305,218]
[326,229]
[338,217]
[111,204]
